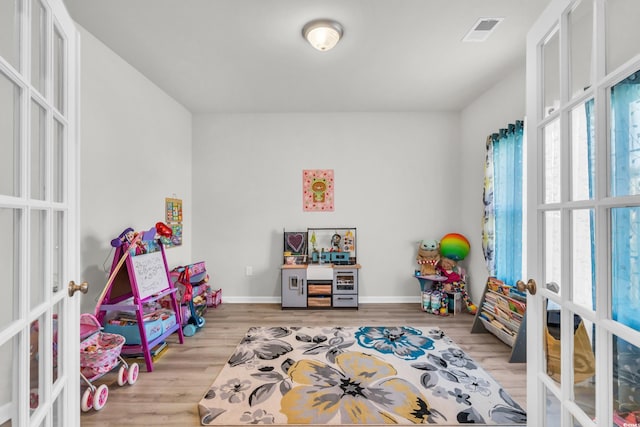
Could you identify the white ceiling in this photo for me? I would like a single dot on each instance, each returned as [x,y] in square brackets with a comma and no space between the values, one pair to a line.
[249,55]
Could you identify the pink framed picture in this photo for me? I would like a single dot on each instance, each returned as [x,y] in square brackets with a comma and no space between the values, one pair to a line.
[317,190]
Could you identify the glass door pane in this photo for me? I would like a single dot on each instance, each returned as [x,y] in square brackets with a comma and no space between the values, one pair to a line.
[7,385]
[554,410]
[626,377]
[552,247]
[38,151]
[36,349]
[625,136]
[582,257]
[59,72]
[57,265]
[553,343]
[10,33]
[625,266]
[37,258]
[580,40]
[552,162]
[551,76]
[57,335]
[9,135]
[622,29]
[582,152]
[58,153]
[38,45]
[584,356]
[10,227]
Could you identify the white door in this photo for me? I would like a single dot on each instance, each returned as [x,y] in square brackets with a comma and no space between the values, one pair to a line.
[583,236]
[39,338]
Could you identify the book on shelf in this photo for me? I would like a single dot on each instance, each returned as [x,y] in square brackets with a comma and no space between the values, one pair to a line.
[155,352]
[516,294]
[517,306]
[505,319]
[486,315]
[495,323]
[494,281]
[517,317]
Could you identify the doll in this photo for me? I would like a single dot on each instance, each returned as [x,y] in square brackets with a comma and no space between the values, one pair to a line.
[455,281]
[428,257]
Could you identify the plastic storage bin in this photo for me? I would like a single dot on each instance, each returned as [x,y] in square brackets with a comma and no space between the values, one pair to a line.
[131,333]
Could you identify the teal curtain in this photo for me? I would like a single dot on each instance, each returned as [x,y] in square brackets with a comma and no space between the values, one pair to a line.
[625,180]
[502,196]
[591,170]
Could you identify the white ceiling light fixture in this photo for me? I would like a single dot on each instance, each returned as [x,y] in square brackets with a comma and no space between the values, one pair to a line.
[322,34]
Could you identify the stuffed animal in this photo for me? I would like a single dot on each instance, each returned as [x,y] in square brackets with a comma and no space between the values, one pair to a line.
[455,281]
[428,257]
[449,269]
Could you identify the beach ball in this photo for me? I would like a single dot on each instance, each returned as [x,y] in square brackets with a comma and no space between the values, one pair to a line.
[454,246]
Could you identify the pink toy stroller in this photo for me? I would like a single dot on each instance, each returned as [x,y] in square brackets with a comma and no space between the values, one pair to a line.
[99,354]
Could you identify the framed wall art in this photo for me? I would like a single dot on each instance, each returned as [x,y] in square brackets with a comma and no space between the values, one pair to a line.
[173,217]
[317,190]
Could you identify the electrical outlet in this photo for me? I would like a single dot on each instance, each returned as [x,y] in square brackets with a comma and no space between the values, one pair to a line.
[248,270]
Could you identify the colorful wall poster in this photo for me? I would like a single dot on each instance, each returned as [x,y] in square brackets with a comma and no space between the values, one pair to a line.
[173,218]
[317,190]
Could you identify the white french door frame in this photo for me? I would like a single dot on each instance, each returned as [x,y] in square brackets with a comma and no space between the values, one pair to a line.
[555,18]
[58,396]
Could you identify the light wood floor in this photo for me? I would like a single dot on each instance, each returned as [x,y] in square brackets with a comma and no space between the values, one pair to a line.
[168,396]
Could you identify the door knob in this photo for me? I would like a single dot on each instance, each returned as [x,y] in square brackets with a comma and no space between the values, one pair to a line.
[529,286]
[82,287]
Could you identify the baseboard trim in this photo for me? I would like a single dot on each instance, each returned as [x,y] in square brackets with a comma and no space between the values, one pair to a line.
[361,300]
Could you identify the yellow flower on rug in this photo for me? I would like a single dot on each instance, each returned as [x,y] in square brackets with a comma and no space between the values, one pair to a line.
[359,390]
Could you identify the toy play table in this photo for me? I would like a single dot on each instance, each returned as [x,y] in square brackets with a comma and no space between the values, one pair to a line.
[427,282]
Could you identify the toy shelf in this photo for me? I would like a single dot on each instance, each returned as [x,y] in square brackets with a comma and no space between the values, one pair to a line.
[502,312]
[136,280]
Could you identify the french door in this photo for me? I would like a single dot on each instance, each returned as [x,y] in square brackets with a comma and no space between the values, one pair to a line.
[39,327]
[583,227]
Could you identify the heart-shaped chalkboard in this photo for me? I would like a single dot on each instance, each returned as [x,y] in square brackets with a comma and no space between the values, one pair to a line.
[295,241]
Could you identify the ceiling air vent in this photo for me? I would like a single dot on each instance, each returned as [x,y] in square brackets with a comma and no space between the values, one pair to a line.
[482,29]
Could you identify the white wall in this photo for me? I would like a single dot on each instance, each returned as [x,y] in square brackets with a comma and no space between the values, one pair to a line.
[397,181]
[497,107]
[136,150]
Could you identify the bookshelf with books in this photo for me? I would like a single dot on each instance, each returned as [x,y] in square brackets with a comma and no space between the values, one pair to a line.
[502,312]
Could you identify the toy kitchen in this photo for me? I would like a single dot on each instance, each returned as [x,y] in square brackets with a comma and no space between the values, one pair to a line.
[320,268]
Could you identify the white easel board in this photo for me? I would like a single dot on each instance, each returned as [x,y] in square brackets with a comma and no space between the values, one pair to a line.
[150,274]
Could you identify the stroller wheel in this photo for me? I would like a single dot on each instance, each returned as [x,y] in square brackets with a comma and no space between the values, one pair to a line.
[101,396]
[132,375]
[122,376]
[86,402]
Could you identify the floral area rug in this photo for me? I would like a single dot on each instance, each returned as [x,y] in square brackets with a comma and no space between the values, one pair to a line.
[354,375]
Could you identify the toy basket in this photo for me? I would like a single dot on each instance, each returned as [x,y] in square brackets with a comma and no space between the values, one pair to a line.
[99,352]
[214,298]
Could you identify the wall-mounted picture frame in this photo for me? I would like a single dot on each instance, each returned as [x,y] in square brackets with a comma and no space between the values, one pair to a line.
[173,219]
[317,190]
